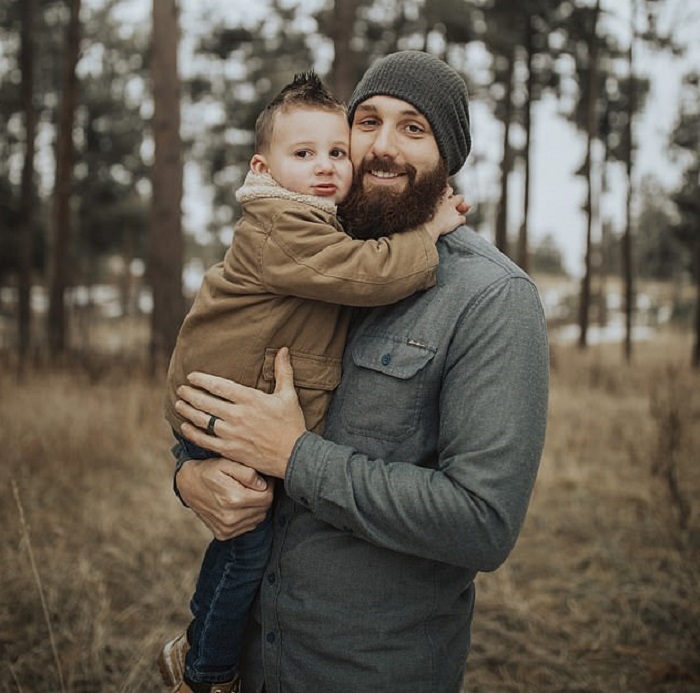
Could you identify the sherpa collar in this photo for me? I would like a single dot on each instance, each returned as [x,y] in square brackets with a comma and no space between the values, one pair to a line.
[261,185]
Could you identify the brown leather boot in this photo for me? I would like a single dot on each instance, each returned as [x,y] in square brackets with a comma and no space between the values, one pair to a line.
[228,687]
[171,660]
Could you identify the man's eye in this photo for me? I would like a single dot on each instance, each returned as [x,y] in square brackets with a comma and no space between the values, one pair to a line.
[415,129]
[367,122]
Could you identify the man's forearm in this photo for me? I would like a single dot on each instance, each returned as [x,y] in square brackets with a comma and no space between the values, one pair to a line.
[467,507]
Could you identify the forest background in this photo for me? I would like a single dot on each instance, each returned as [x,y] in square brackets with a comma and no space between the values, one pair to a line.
[123,141]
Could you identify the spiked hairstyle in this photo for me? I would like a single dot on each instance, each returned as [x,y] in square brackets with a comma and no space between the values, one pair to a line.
[306,90]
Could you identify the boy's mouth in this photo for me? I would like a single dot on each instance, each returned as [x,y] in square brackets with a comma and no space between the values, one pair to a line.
[325,189]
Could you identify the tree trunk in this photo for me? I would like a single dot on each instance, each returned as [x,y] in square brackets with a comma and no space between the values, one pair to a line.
[696,260]
[166,247]
[342,73]
[65,153]
[628,269]
[26,222]
[501,239]
[523,242]
[591,118]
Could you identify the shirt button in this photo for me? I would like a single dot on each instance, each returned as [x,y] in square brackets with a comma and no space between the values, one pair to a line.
[271,577]
[270,637]
[386,359]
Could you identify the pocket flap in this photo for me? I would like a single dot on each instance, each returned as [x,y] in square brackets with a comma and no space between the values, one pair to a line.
[311,371]
[397,358]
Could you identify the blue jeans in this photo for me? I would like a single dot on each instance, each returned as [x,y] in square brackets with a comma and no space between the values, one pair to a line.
[228,582]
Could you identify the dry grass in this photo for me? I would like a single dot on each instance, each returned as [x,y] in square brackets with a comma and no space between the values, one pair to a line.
[116,554]
[600,595]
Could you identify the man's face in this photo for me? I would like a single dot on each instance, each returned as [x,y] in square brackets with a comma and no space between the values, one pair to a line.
[393,134]
[399,173]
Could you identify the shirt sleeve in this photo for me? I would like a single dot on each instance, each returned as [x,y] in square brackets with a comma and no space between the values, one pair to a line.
[307,257]
[468,508]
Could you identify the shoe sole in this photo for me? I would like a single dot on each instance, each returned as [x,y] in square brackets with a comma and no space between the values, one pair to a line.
[169,666]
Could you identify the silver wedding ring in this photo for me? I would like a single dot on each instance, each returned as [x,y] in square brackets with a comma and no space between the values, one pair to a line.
[210,426]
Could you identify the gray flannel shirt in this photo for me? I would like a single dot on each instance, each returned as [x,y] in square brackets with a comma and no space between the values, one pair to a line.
[422,479]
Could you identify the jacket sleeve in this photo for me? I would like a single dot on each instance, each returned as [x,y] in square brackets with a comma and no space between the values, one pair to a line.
[466,510]
[305,256]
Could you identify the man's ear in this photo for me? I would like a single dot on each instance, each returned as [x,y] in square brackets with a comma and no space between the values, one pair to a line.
[258,164]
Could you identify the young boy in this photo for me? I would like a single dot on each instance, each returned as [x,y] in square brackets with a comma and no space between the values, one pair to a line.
[285,281]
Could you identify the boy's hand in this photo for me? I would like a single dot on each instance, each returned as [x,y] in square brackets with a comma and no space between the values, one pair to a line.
[449,214]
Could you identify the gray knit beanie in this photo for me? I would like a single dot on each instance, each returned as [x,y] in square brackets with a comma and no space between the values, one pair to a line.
[434,88]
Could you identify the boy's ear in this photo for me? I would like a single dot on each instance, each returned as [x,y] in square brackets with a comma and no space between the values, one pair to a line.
[258,164]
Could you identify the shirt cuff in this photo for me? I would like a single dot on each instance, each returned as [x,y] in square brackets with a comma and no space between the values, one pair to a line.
[181,456]
[305,469]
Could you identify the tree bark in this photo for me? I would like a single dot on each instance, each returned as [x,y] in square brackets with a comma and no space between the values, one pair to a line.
[341,32]
[591,118]
[166,246]
[501,236]
[627,260]
[696,261]
[27,194]
[523,241]
[65,154]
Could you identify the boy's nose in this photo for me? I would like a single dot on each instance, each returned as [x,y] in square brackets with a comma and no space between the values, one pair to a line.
[324,164]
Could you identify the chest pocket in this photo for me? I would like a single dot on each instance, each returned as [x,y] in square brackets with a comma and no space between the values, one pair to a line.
[384,393]
[315,378]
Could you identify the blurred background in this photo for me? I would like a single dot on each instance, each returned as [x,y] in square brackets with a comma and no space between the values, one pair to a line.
[125,129]
[117,115]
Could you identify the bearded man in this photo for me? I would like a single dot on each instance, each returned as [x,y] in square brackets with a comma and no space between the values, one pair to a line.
[373,211]
[432,443]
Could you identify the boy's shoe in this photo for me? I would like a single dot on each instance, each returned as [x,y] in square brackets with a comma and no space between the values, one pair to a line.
[228,687]
[171,660]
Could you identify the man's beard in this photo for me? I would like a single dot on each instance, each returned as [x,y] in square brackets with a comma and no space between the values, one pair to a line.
[377,211]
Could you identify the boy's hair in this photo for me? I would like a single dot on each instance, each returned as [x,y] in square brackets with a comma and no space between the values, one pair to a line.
[306,90]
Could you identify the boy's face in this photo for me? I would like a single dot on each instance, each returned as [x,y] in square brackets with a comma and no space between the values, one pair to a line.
[309,153]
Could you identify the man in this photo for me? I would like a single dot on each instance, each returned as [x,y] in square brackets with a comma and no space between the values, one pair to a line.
[432,443]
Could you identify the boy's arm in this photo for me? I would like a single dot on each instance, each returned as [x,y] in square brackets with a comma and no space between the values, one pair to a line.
[309,258]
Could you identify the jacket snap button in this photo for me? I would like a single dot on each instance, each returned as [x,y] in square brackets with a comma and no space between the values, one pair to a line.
[386,359]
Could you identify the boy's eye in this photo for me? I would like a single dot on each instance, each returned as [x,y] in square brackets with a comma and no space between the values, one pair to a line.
[338,153]
[303,154]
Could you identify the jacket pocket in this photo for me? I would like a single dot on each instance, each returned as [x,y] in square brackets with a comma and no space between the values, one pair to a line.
[383,394]
[315,378]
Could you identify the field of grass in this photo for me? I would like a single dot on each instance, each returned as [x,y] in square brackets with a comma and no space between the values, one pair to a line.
[602,593]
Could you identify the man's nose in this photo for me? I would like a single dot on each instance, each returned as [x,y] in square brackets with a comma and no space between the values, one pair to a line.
[385,144]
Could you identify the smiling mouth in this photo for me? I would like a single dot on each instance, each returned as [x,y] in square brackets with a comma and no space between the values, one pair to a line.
[385,174]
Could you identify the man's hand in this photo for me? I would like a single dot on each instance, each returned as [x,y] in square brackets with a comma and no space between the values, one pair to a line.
[256,429]
[229,498]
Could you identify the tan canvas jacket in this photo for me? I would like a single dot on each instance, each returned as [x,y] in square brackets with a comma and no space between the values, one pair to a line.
[285,281]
